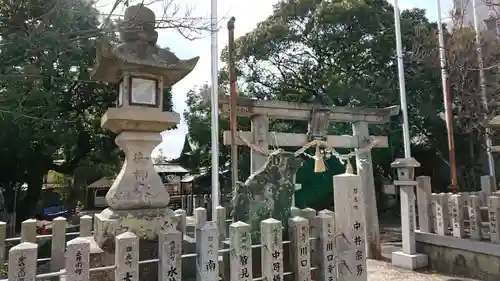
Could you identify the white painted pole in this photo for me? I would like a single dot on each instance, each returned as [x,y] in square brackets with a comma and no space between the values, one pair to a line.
[402,88]
[482,81]
[215,106]
[407,257]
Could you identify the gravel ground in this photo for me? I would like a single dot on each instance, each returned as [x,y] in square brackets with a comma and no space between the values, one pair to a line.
[390,236]
[384,271]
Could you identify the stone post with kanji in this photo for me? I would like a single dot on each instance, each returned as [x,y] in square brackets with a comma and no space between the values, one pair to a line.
[137,199]
[408,257]
[349,223]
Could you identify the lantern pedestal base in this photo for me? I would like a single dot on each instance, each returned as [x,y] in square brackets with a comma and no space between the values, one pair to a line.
[145,223]
[409,261]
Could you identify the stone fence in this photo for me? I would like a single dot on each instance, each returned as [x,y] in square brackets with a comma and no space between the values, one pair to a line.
[315,249]
[457,230]
[191,202]
[468,215]
[323,246]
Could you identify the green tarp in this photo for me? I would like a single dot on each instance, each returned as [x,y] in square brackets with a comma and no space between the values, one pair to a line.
[317,189]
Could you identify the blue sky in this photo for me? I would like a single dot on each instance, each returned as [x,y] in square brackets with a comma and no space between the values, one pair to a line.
[247,14]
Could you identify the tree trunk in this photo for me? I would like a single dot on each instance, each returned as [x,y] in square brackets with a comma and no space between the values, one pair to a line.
[9,196]
[27,207]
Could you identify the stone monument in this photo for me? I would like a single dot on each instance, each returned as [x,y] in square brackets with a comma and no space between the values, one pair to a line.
[137,199]
[267,193]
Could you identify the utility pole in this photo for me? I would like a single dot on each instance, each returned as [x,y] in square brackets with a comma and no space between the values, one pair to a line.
[408,256]
[447,103]
[232,90]
[484,97]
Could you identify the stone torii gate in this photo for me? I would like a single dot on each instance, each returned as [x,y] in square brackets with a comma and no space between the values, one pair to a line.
[260,111]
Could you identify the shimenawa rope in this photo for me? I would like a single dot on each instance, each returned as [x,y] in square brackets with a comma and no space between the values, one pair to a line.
[318,157]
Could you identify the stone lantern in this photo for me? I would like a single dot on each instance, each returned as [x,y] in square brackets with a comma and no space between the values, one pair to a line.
[408,257]
[137,199]
[405,168]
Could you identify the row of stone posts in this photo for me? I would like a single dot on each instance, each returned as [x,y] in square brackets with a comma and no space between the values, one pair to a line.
[440,212]
[23,257]
[435,210]
[337,250]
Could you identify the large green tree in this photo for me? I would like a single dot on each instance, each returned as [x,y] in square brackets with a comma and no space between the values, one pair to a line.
[342,53]
[50,108]
[339,53]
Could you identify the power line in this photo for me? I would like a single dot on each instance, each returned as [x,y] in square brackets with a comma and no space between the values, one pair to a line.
[23,115]
[28,116]
[179,23]
[2,76]
[117,15]
[162,23]
[75,9]
[486,67]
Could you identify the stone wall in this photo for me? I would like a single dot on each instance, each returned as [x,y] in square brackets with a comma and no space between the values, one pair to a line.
[459,262]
